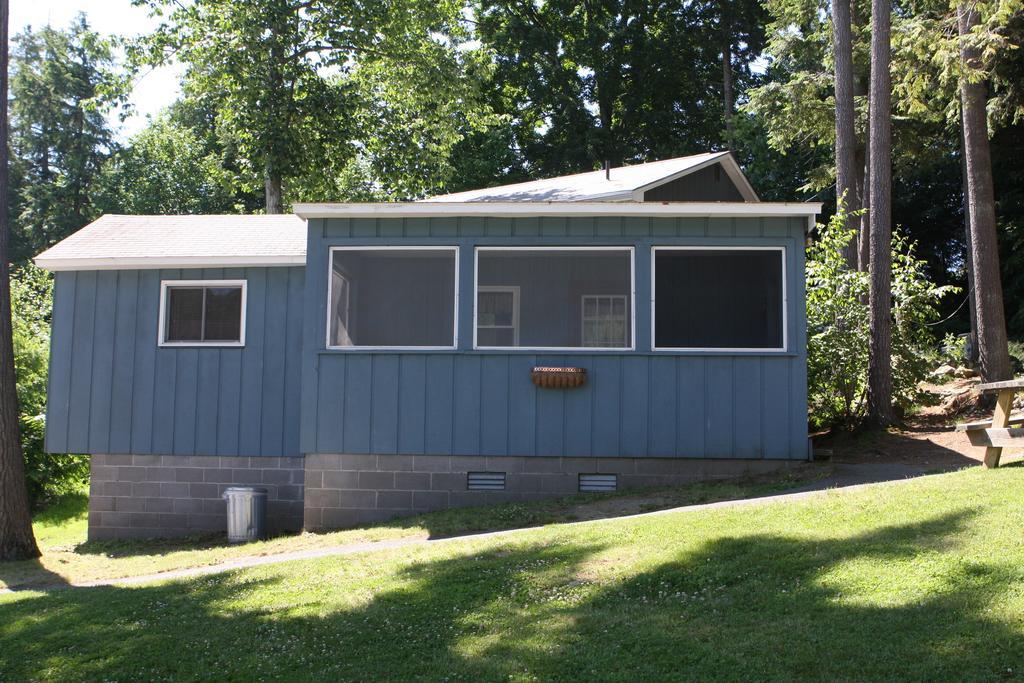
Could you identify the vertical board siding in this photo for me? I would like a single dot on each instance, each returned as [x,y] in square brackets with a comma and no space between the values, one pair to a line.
[522,406]
[186,382]
[466,413]
[330,402]
[122,392]
[691,407]
[275,349]
[384,408]
[114,390]
[207,408]
[58,395]
[254,359]
[102,361]
[579,411]
[494,404]
[746,385]
[440,399]
[633,406]
[293,350]
[144,373]
[550,413]
[357,389]
[662,413]
[604,382]
[80,392]
[412,405]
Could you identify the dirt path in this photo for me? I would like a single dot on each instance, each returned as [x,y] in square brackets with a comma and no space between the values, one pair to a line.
[927,440]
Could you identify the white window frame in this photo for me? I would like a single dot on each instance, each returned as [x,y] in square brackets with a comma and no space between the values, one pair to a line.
[785,300]
[584,349]
[514,291]
[583,314]
[330,284]
[166,285]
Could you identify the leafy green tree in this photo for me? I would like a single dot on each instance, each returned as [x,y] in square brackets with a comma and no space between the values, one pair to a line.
[838,326]
[289,80]
[167,169]
[47,474]
[63,84]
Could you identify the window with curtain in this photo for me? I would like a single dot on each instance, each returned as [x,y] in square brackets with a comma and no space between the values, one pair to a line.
[554,298]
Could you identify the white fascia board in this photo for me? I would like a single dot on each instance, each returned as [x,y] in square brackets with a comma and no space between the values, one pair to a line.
[148,263]
[732,168]
[585,209]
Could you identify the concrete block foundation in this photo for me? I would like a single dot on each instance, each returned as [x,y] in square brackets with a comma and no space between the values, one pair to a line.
[159,496]
[348,490]
[147,496]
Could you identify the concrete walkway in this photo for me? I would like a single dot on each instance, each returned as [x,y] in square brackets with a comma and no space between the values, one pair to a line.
[845,476]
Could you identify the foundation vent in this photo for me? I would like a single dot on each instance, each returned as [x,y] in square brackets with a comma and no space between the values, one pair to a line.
[595,483]
[485,481]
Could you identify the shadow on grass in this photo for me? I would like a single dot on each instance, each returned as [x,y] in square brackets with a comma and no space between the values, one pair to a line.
[65,507]
[13,574]
[763,606]
[894,448]
[153,546]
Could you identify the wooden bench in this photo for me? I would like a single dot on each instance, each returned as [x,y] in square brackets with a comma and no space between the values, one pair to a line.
[999,432]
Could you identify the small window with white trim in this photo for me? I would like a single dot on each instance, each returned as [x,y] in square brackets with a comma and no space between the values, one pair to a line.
[719,298]
[202,312]
[554,297]
[392,297]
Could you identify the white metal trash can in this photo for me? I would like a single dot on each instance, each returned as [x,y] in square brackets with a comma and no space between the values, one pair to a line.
[247,513]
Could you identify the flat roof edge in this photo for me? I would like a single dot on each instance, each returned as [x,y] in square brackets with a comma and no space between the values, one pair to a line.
[512,209]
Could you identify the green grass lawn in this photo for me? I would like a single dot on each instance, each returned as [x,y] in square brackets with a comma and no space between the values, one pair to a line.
[67,557]
[919,580]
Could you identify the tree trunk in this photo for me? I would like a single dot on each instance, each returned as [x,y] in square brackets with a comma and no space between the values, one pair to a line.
[992,348]
[846,139]
[972,350]
[272,185]
[880,410]
[16,539]
[864,231]
[861,164]
[727,96]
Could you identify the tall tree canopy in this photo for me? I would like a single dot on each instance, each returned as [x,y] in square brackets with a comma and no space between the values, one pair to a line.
[615,80]
[63,85]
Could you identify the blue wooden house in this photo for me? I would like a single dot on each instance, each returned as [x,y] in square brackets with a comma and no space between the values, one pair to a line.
[638,327]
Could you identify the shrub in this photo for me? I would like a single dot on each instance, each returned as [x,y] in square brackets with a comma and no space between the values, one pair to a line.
[1016,349]
[837,327]
[48,475]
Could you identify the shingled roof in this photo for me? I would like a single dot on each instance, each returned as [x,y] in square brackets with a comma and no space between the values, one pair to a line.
[114,241]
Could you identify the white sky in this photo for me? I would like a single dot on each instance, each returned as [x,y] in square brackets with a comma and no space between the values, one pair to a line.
[154,89]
